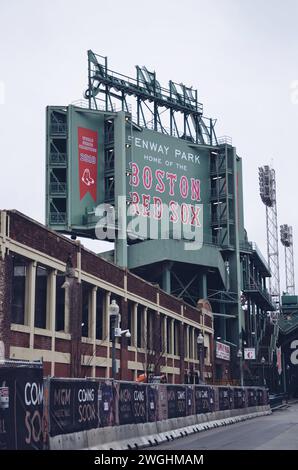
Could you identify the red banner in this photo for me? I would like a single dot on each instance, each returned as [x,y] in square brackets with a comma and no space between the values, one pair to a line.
[88,155]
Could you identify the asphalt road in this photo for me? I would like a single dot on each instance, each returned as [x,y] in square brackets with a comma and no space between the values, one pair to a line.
[278,431]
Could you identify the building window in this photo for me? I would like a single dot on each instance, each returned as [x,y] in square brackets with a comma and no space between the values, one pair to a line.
[129,320]
[140,319]
[149,336]
[60,303]
[40,320]
[86,295]
[175,338]
[19,291]
[100,308]
[169,336]
[185,342]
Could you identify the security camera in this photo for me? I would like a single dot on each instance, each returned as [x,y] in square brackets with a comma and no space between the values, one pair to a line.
[127,334]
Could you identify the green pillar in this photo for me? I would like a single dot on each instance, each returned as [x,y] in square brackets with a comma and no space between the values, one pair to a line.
[203,286]
[120,189]
[237,258]
[166,277]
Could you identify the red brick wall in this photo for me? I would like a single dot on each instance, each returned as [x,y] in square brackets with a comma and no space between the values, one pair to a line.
[170,302]
[42,342]
[20,339]
[208,321]
[141,288]
[87,349]
[101,268]
[62,345]
[62,370]
[34,235]
[101,351]
[100,372]
[6,267]
[86,371]
[130,356]
[192,313]
[46,368]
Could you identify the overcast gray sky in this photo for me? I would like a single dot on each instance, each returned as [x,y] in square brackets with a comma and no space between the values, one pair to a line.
[240,54]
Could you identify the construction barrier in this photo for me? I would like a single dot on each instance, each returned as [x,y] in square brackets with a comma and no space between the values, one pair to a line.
[78,405]
[35,411]
[22,419]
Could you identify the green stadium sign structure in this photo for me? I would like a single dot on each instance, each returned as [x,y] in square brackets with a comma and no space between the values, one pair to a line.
[139,164]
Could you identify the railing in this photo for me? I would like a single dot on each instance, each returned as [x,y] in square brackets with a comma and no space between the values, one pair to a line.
[246,246]
[217,220]
[225,139]
[57,158]
[218,169]
[256,249]
[57,218]
[233,382]
[219,192]
[58,128]
[57,188]
[258,287]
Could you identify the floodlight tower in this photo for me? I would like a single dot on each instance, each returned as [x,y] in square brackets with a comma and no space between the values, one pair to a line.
[286,238]
[268,195]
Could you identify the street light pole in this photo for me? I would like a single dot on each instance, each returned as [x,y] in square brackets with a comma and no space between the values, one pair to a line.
[115,320]
[116,332]
[113,349]
[239,355]
[263,360]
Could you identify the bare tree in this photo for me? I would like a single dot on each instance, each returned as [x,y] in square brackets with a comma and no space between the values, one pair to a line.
[152,346]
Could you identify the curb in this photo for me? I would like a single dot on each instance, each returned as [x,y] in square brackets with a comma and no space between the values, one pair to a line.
[156,439]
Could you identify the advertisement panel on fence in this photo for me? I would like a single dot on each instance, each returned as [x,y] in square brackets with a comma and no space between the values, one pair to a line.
[21,408]
[203,399]
[176,401]
[239,398]
[152,393]
[7,389]
[106,403]
[132,403]
[225,398]
[162,402]
[190,400]
[252,397]
[73,406]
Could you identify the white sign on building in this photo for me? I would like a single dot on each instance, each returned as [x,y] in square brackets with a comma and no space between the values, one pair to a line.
[222,351]
[249,353]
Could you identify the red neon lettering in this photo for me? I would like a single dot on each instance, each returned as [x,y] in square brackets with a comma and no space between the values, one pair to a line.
[157,213]
[184,213]
[146,204]
[135,199]
[195,189]
[173,178]
[134,179]
[195,216]
[184,187]
[160,187]
[147,177]
[174,215]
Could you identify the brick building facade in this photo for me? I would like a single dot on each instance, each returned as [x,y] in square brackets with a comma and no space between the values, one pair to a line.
[54,299]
